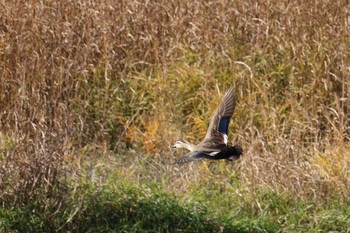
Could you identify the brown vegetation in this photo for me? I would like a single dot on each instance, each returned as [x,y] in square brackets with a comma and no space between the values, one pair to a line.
[81,79]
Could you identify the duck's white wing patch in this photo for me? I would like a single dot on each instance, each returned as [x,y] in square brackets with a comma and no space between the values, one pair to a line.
[214,153]
[225,138]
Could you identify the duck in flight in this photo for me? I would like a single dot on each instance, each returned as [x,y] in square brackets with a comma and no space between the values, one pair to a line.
[214,145]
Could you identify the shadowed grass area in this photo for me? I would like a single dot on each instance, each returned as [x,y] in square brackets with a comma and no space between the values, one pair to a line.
[126,209]
[129,208]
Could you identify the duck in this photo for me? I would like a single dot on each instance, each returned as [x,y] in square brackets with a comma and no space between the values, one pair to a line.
[215,144]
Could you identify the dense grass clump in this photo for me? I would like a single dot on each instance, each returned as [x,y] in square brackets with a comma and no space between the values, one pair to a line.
[124,209]
[97,91]
[121,208]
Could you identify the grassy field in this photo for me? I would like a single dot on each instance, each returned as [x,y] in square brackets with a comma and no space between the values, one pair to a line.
[92,94]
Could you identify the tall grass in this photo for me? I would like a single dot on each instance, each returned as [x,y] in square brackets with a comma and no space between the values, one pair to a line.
[91,87]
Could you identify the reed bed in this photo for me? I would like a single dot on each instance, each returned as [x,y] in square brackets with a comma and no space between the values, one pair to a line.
[94,90]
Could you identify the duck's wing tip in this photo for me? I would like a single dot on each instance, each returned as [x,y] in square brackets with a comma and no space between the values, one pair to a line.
[189,157]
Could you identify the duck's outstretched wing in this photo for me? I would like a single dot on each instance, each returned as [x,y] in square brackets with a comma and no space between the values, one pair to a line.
[218,127]
[191,156]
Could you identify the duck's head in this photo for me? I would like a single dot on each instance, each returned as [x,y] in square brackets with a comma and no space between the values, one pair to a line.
[180,144]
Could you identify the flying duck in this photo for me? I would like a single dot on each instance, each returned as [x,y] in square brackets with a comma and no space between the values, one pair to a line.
[214,145]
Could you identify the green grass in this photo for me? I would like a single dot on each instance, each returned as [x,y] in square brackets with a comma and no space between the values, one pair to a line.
[123,207]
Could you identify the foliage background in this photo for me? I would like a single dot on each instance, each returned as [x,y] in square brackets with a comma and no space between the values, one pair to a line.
[92,94]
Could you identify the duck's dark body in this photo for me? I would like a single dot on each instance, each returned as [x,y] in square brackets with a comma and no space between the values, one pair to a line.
[229,153]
